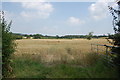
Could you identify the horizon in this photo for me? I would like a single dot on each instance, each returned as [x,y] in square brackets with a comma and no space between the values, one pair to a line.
[60,35]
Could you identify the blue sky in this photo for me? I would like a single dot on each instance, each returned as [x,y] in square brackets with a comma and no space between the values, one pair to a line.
[59,18]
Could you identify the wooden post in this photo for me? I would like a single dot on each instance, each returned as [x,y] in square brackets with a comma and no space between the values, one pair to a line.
[106,50]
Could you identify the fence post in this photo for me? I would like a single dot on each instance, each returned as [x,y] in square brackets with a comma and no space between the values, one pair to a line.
[106,50]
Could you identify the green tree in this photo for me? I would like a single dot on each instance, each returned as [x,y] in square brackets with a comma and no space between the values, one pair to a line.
[89,36]
[8,47]
[116,37]
[57,37]
[17,36]
[37,36]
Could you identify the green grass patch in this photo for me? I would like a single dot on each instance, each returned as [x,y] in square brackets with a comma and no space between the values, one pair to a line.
[28,68]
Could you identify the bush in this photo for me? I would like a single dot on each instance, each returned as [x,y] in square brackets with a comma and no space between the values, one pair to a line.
[8,47]
[17,36]
[89,36]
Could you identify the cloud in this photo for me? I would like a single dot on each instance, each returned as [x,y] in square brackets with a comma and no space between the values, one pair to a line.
[99,10]
[37,9]
[75,21]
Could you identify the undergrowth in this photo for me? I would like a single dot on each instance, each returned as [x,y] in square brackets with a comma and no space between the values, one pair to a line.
[28,68]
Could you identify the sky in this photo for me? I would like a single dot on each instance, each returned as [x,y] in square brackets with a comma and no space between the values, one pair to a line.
[59,18]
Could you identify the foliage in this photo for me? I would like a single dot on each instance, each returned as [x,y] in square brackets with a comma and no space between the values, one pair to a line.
[0,52]
[116,37]
[57,37]
[116,42]
[17,36]
[25,67]
[8,47]
[89,36]
[40,36]
[37,36]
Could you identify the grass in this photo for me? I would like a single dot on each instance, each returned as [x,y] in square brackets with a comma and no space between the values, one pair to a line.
[52,50]
[36,46]
[60,58]
[28,68]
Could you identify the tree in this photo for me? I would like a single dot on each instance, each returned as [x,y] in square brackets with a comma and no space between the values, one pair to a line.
[8,47]
[116,37]
[37,36]
[89,36]
[57,37]
[17,36]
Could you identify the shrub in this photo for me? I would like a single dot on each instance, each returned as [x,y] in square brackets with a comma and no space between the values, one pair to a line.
[89,36]
[8,47]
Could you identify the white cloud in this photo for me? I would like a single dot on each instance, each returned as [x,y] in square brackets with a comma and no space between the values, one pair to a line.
[99,10]
[75,21]
[37,9]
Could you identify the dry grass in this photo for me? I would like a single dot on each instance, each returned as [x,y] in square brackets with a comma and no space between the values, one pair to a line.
[60,58]
[57,50]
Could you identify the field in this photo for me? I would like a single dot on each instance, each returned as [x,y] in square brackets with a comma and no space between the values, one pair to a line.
[60,58]
[54,50]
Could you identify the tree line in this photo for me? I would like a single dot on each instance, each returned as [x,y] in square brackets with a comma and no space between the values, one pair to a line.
[40,36]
